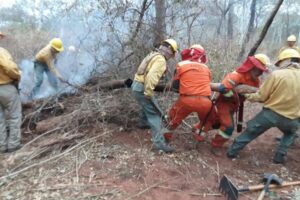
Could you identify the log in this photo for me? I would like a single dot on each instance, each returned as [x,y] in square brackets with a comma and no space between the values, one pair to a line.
[62,120]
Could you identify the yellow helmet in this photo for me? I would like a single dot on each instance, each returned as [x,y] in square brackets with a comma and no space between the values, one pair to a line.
[264,59]
[57,44]
[287,53]
[173,44]
[291,38]
[197,46]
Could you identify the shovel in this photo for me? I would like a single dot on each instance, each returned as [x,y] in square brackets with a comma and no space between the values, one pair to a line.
[232,192]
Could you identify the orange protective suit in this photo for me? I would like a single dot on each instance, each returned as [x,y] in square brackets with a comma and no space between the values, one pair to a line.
[228,101]
[194,89]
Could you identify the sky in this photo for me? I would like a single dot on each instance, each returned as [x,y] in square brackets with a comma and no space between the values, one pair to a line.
[6,3]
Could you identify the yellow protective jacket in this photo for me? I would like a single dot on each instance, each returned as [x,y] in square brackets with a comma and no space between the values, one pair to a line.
[288,47]
[280,92]
[9,70]
[46,56]
[154,71]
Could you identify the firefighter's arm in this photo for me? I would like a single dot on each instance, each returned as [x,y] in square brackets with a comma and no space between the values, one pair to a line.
[9,66]
[264,91]
[155,73]
[215,86]
[50,64]
[228,84]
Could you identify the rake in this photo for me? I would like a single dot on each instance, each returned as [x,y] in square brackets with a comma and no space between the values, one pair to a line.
[232,192]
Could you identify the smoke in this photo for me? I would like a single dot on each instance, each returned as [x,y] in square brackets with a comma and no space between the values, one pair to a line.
[92,45]
[77,63]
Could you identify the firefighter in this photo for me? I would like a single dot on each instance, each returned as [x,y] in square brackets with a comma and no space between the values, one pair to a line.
[281,109]
[10,103]
[192,79]
[44,63]
[290,44]
[149,73]
[228,102]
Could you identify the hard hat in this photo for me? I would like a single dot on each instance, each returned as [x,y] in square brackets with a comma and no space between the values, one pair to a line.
[201,52]
[57,44]
[197,46]
[287,53]
[172,43]
[264,59]
[291,38]
[71,48]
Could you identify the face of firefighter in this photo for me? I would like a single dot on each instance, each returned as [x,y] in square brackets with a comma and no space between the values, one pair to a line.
[291,43]
[54,51]
[284,63]
[255,73]
[167,52]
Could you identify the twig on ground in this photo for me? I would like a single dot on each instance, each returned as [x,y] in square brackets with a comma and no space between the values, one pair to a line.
[67,186]
[185,123]
[218,171]
[147,189]
[85,142]
[169,188]
[42,135]
[206,194]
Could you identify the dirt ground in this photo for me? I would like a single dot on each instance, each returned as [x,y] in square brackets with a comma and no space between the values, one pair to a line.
[115,163]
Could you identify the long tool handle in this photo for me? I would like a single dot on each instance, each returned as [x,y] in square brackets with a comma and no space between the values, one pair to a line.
[261,186]
[240,117]
[214,98]
[262,195]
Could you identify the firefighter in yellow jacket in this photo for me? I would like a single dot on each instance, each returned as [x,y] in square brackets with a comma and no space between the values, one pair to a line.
[146,78]
[10,103]
[44,63]
[290,44]
[281,109]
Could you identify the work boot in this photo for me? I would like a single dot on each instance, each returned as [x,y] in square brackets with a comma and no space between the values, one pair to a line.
[197,135]
[142,126]
[14,149]
[161,146]
[231,155]
[168,137]
[278,158]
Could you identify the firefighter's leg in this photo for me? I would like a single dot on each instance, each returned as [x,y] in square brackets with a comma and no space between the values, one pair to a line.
[177,113]
[226,129]
[289,128]
[255,127]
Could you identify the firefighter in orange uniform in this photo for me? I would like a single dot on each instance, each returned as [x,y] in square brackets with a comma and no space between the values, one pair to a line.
[192,79]
[228,102]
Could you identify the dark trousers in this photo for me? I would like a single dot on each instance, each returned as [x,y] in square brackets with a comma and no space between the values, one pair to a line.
[263,121]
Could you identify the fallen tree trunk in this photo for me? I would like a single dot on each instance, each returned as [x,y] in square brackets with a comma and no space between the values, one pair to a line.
[60,121]
[126,83]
